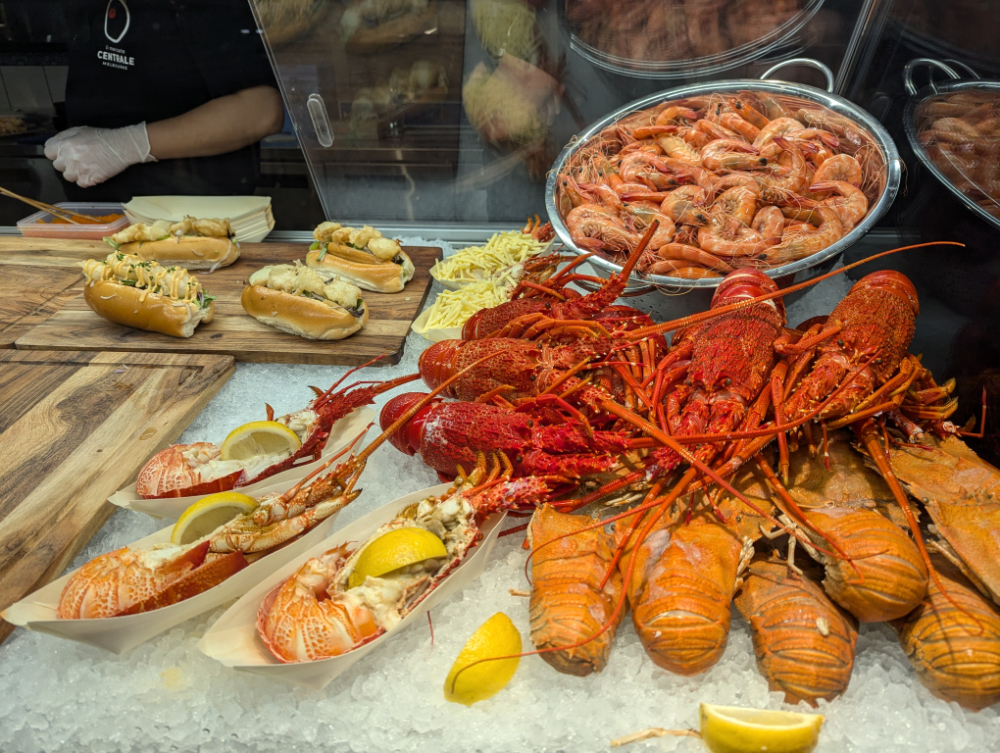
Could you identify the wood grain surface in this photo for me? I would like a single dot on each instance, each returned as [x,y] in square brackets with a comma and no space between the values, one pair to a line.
[37,278]
[74,428]
[75,327]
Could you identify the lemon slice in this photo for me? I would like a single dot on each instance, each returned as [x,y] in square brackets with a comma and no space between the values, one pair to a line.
[495,637]
[393,550]
[259,438]
[730,729]
[208,513]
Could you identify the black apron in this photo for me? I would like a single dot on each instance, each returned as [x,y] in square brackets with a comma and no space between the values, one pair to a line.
[148,60]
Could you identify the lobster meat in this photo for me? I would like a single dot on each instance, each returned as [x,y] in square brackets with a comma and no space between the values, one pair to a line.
[568,601]
[315,614]
[804,643]
[192,469]
[128,581]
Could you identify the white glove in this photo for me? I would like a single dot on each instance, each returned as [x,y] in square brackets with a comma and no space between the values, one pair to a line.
[88,156]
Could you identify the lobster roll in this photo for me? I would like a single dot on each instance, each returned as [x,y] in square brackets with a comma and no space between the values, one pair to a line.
[362,257]
[191,243]
[127,290]
[300,301]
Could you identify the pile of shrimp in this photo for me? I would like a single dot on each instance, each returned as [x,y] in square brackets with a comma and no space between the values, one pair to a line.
[654,30]
[749,180]
[960,132]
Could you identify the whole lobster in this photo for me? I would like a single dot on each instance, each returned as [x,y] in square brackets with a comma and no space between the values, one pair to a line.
[450,435]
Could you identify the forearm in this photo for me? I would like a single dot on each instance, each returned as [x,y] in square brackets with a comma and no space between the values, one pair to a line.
[218,126]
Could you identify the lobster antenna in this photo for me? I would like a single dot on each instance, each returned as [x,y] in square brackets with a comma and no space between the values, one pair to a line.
[687,321]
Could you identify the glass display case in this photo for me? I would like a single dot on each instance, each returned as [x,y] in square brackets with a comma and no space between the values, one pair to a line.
[429,111]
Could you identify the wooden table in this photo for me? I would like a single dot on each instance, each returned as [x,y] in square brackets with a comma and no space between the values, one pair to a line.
[37,278]
[62,320]
[74,428]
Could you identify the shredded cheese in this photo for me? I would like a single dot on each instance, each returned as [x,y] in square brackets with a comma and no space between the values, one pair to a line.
[454,307]
[499,258]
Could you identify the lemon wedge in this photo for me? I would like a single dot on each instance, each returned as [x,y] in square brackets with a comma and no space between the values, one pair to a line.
[208,513]
[495,637]
[730,729]
[259,438]
[393,550]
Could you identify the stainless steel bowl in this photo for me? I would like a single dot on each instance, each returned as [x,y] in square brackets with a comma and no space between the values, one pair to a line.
[798,271]
[912,135]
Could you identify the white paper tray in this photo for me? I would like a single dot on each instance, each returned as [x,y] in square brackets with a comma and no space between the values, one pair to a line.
[233,640]
[37,611]
[170,508]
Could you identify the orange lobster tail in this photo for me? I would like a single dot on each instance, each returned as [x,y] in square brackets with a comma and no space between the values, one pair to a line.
[956,657]
[566,604]
[804,643]
[894,575]
[680,593]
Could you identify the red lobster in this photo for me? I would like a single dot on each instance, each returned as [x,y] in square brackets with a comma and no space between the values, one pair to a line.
[450,436]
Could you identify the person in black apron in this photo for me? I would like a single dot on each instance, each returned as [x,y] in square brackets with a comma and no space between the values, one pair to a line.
[165,97]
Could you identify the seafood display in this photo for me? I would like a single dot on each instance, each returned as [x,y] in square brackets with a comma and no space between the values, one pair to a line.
[718,442]
[960,133]
[748,179]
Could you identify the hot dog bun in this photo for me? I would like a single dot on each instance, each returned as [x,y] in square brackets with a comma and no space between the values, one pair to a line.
[295,299]
[121,304]
[360,255]
[300,316]
[127,290]
[363,269]
[190,251]
[192,243]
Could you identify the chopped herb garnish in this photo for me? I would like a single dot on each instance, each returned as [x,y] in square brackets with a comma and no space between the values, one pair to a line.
[130,283]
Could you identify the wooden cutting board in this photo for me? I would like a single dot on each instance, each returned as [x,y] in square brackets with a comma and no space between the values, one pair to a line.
[75,327]
[37,278]
[74,428]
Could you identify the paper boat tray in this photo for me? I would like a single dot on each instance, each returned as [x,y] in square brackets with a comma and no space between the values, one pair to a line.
[37,611]
[342,434]
[233,640]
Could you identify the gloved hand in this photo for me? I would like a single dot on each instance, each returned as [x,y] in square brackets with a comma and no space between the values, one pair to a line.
[88,156]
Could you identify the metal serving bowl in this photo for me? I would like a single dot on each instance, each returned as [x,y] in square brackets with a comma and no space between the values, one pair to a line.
[912,127]
[795,272]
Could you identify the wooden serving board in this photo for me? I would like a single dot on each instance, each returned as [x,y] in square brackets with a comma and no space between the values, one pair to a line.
[233,332]
[74,428]
[37,278]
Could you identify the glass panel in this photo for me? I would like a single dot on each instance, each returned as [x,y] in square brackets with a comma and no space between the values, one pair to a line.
[447,111]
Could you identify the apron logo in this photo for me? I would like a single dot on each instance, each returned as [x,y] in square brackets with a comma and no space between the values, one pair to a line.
[111,14]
